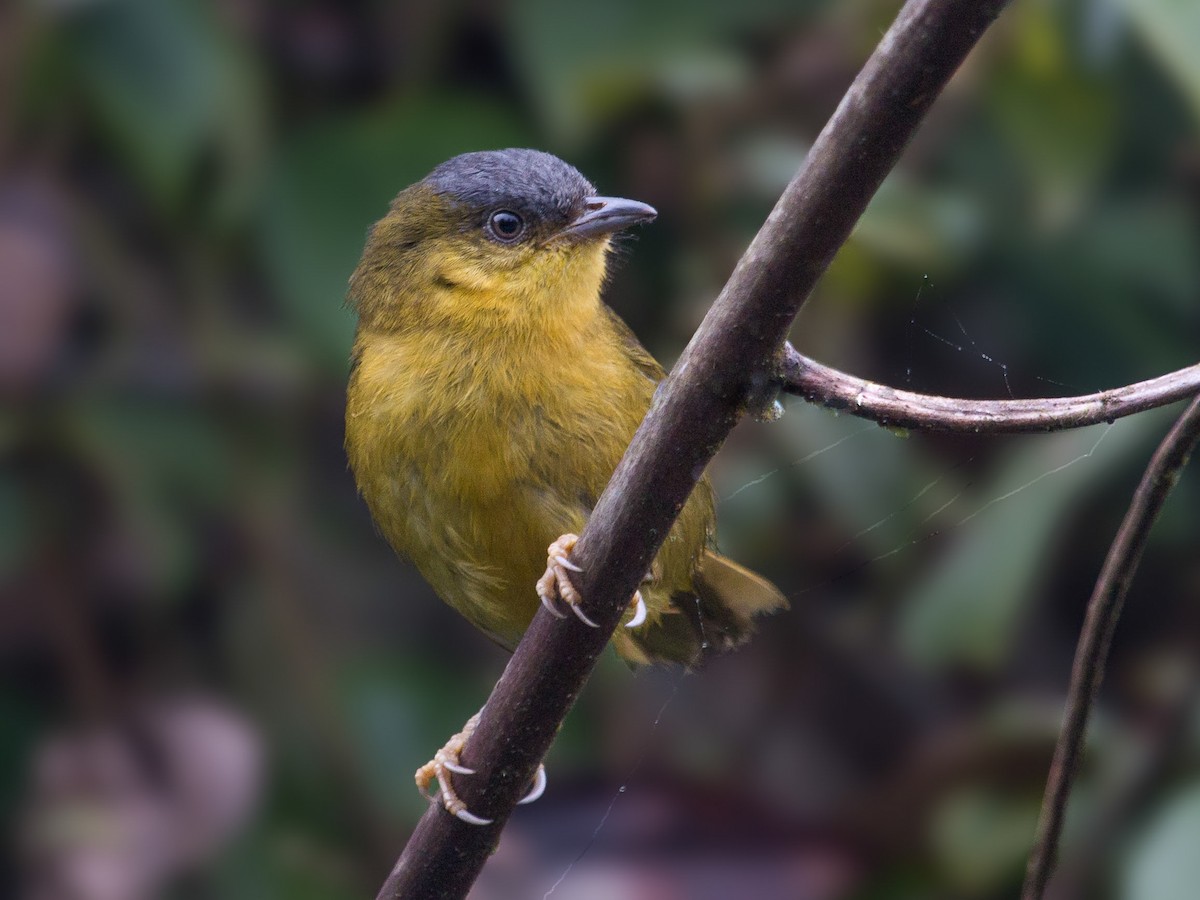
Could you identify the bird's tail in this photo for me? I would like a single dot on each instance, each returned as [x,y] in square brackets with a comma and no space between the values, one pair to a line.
[716,617]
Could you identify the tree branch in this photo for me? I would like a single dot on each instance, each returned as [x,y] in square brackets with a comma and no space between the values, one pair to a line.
[1082,873]
[826,386]
[1104,608]
[729,363]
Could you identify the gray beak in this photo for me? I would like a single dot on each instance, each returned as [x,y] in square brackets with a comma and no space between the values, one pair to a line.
[604,215]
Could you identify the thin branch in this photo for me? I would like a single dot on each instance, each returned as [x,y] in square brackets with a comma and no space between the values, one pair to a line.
[728,366]
[1104,608]
[888,406]
[1080,874]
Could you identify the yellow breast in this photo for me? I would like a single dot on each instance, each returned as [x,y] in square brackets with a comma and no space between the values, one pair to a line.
[476,446]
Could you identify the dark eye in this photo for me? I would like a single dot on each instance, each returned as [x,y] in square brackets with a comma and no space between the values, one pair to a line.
[506,225]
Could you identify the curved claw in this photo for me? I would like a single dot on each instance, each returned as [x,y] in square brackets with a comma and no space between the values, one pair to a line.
[539,787]
[549,604]
[581,616]
[566,563]
[455,767]
[639,614]
[465,815]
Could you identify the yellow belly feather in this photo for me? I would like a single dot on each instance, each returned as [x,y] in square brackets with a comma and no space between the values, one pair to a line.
[471,474]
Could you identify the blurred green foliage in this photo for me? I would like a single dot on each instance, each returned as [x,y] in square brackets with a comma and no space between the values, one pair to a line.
[1163,862]
[184,190]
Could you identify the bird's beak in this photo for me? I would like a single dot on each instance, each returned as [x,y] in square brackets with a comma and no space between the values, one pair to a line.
[604,215]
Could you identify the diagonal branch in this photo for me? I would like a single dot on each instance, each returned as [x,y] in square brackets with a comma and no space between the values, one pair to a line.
[895,408]
[1104,608]
[728,366]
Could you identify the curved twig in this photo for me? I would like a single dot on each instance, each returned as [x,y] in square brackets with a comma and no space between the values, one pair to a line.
[826,386]
[1104,608]
[724,370]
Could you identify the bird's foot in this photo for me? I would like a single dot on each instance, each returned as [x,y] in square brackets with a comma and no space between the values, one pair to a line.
[555,587]
[443,763]
[446,761]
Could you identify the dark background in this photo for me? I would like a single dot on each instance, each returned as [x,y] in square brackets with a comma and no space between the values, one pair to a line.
[216,680]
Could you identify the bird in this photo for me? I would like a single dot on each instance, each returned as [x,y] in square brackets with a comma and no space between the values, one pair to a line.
[492,393]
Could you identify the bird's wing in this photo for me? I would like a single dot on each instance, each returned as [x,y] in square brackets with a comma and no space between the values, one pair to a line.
[638,354]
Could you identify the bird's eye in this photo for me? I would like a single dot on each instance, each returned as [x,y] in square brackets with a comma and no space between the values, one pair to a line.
[505,225]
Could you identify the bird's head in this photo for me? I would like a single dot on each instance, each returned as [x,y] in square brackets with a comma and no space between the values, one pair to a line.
[502,235]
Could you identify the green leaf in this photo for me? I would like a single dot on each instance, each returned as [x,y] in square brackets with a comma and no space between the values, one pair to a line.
[919,226]
[1058,117]
[1165,864]
[583,61]
[871,478]
[403,710]
[1124,249]
[16,541]
[1145,249]
[24,718]
[981,836]
[175,95]
[164,464]
[1171,29]
[282,862]
[967,609]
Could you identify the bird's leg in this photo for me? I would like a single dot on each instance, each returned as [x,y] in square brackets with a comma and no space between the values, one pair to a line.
[554,587]
[443,763]
[446,761]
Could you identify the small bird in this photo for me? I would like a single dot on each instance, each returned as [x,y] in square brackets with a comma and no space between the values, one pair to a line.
[492,394]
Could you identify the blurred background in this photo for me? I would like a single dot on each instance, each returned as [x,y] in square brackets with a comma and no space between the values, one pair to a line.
[216,680]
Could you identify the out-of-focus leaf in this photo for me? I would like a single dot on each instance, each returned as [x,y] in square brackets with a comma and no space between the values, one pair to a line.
[906,221]
[1061,122]
[981,836]
[766,163]
[22,717]
[334,180]
[1165,864]
[1171,29]
[403,712]
[15,536]
[966,610]
[1109,285]
[286,864]
[870,477]
[918,226]
[175,94]
[163,465]
[1140,252]
[583,61]
[178,448]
